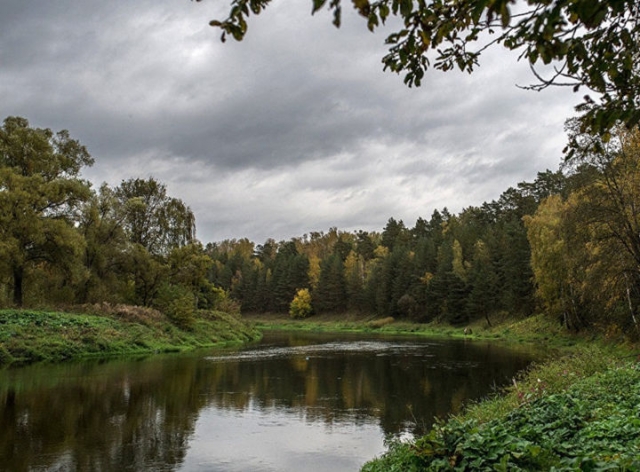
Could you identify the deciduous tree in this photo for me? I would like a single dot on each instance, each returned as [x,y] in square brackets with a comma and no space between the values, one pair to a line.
[608,204]
[151,218]
[552,262]
[301,304]
[105,243]
[40,194]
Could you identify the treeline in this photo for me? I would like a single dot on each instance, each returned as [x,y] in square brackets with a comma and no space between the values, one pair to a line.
[455,268]
[567,243]
[63,242]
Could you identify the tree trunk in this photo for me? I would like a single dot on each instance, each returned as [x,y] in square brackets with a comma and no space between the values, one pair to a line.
[18,277]
[630,303]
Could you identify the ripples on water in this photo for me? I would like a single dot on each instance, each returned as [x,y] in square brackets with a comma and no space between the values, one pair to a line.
[379,348]
[423,351]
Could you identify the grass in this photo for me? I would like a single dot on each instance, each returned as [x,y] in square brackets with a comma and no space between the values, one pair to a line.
[550,377]
[535,329]
[28,336]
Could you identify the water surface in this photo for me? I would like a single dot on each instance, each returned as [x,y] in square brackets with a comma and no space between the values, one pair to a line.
[295,401]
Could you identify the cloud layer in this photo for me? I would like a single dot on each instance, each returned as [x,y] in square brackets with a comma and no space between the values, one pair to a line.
[295,129]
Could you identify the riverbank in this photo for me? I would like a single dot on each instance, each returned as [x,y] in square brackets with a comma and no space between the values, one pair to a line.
[28,336]
[577,410]
[535,329]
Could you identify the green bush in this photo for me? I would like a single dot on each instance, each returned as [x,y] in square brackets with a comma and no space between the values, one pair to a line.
[300,306]
[179,305]
[181,311]
[211,297]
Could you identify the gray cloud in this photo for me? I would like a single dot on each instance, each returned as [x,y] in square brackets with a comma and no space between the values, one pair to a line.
[295,129]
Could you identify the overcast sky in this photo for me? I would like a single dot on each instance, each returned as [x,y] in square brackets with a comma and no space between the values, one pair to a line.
[295,129]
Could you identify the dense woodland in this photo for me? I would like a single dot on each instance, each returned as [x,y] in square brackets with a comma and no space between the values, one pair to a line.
[567,243]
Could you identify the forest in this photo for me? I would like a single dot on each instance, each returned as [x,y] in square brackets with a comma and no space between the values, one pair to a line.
[566,244]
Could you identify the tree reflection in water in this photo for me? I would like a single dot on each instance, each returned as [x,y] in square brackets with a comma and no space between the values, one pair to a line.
[290,394]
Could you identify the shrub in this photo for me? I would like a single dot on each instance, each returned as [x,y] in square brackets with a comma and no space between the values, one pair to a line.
[301,304]
[181,311]
[179,304]
[215,298]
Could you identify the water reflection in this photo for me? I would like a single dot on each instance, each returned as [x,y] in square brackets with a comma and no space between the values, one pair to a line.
[324,402]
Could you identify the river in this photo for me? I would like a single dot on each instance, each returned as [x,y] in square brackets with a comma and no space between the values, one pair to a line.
[294,401]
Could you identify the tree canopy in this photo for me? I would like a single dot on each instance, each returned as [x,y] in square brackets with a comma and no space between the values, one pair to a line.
[40,193]
[585,44]
[63,242]
[152,218]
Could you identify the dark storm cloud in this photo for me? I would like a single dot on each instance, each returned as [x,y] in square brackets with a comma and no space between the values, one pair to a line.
[292,130]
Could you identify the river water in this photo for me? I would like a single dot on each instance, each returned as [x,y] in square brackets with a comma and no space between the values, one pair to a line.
[294,401]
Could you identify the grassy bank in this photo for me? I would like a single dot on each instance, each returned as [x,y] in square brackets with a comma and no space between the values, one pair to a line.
[30,336]
[536,329]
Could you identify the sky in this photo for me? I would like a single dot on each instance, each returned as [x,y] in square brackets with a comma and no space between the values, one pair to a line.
[295,129]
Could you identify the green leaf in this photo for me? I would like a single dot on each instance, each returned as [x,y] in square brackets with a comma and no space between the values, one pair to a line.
[373,22]
[317,5]
[505,15]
